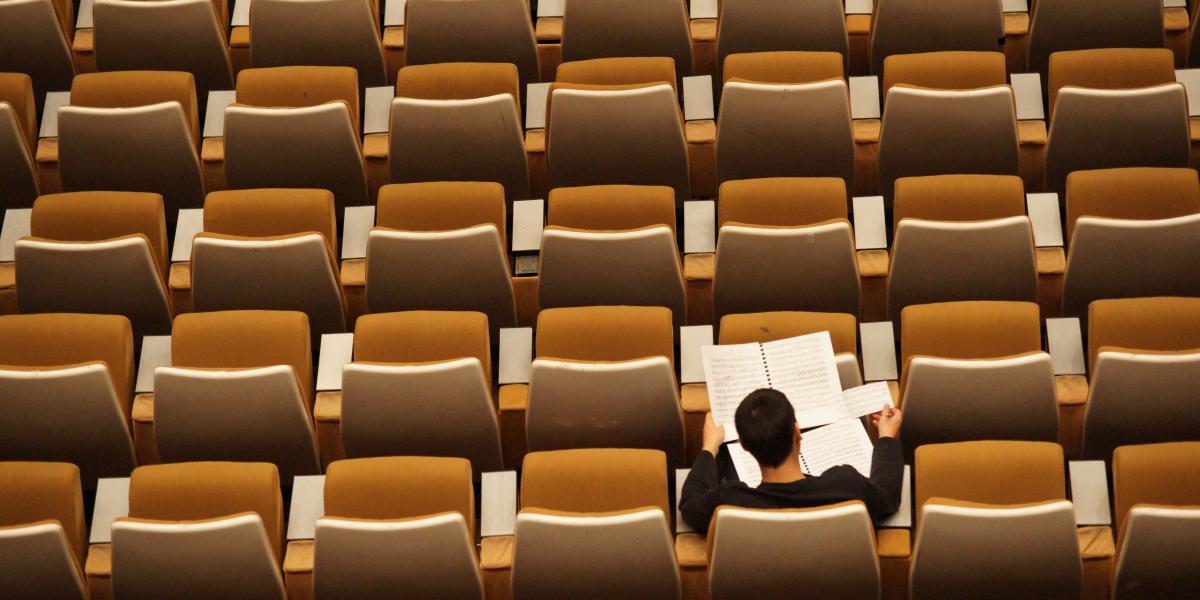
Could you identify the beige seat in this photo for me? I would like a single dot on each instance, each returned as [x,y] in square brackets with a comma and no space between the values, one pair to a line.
[412,369]
[960,237]
[335,33]
[66,381]
[397,527]
[746,26]
[297,127]
[1133,232]
[486,31]
[593,523]
[1099,129]
[134,131]
[1058,25]
[172,35]
[617,136]
[1108,69]
[1144,366]
[828,552]
[34,39]
[432,239]
[945,70]
[777,238]
[239,388]
[611,245]
[593,386]
[18,134]
[940,132]
[1156,492]
[912,26]
[785,131]
[770,326]
[975,371]
[42,531]
[211,526]
[284,242]
[100,253]
[989,472]
[606,28]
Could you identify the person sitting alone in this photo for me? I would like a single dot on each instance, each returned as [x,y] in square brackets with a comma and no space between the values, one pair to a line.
[766,424]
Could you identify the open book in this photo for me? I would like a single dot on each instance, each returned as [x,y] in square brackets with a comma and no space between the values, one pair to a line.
[842,443]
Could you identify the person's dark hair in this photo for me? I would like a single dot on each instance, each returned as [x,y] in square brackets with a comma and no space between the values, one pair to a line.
[765,421]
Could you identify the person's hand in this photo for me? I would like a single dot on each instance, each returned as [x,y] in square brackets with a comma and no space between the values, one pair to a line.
[714,435]
[887,421]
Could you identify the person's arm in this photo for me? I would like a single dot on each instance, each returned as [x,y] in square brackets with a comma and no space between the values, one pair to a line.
[701,493]
[887,464]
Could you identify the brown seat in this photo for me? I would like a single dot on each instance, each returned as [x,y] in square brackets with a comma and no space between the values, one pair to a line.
[946,70]
[42,531]
[1081,24]
[748,27]
[18,134]
[913,26]
[1109,69]
[478,31]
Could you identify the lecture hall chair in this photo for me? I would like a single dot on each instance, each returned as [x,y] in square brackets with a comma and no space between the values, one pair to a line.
[1057,25]
[18,139]
[478,31]
[914,26]
[334,33]
[42,531]
[35,38]
[776,26]
[619,28]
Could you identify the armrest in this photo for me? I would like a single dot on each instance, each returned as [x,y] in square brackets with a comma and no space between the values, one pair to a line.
[143,408]
[870,223]
[878,351]
[83,20]
[393,13]
[327,407]
[1065,342]
[112,503]
[298,559]
[1044,216]
[893,543]
[1027,91]
[190,222]
[495,553]
[54,101]
[214,116]
[1190,78]
[859,7]
[703,9]
[377,105]
[864,96]
[355,228]
[535,102]
[1021,6]
[699,226]
[16,226]
[99,561]
[903,515]
[681,526]
[698,98]
[337,349]
[156,352]
[240,17]
[498,503]
[1089,492]
[528,221]
[550,8]
[516,354]
[514,397]
[308,505]
[691,339]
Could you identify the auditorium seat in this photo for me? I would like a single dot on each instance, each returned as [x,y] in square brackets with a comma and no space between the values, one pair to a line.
[35,40]
[239,387]
[993,515]
[611,28]
[297,127]
[778,26]
[270,249]
[945,70]
[1156,494]
[210,528]
[1057,25]
[611,245]
[334,33]
[1133,232]
[960,237]
[484,31]
[395,527]
[912,26]
[42,531]
[828,552]
[66,384]
[99,253]
[594,523]
[777,239]
[18,137]
[182,35]
[975,371]
[784,67]
[589,357]
[1108,69]
[133,131]
[458,122]
[441,246]
[1144,369]
[411,370]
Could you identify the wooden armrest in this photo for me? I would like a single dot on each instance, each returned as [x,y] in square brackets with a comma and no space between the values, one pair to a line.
[873,263]
[299,557]
[704,30]
[327,408]
[548,29]
[699,266]
[84,40]
[212,150]
[700,132]
[1051,261]
[354,272]
[866,131]
[143,408]
[1031,133]
[393,37]
[47,151]
[693,398]
[514,397]
[691,550]
[1071,389]
[180,277]
[239,37]
[535,141]
[1096,543]
[495,553]
[1176,19]
[375,145]
[99,561]
[893,543]
[1016,24]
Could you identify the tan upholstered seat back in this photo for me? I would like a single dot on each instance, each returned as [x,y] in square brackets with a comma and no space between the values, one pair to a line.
[747,26]
[272,212]
[127,89]
[458,80]
[1156,324]
[622,70]
[972,329]
[442,206]
[947,70]
[40,491]
[770,326]
[605,333]
[32,40]
[18,134]
[437,31]
[399,487]
[611,207]
[17,90]
[1109,69]
[782,201]
[1143,193]
[594,480]
[98,216]
[648,28]
[1080,24]
[423,336]
[958,198]
[295,87]
[347,35]
[912,26]
[992,472]
[1162,474]
[784,67]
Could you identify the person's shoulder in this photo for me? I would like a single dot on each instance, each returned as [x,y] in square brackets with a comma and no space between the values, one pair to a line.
[841,473]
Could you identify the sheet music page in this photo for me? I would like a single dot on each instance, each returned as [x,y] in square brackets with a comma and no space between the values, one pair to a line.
[842,443]
[745,465]
[803,368]
[732,372]
[865,399]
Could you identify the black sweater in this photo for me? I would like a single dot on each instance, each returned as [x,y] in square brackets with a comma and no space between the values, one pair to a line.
[703,491]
